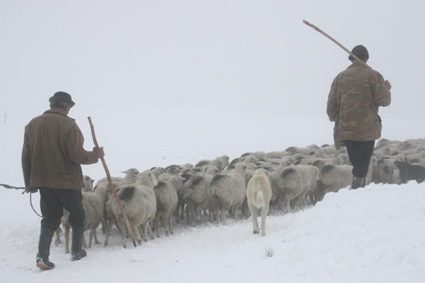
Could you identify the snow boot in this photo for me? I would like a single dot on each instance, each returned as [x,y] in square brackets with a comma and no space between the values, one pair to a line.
[79,255]
[358,183]
[44,263]
[77,252]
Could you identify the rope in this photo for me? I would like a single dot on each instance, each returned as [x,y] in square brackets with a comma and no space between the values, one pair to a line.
[25,191]
[33,206]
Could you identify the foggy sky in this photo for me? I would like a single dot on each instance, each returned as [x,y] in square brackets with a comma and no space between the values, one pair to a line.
[249,55]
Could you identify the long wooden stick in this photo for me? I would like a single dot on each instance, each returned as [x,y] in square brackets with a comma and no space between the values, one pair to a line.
[114,191]
[339,44]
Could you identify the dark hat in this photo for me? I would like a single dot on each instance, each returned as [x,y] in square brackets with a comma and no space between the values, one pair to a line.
[360,51]
[63,97]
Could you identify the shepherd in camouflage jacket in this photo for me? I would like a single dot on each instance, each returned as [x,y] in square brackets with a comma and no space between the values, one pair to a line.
[361,90]
[353,102]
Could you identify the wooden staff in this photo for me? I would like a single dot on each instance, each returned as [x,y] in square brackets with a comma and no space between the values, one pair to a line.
[339,44]
[114,191]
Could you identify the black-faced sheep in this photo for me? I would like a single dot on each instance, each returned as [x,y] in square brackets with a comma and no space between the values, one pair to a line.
[410,172]
[139,204]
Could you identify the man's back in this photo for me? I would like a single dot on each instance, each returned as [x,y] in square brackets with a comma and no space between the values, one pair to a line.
[53,151]
[360,91]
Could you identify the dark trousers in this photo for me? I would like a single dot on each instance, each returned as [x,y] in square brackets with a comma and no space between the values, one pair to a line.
[360,153]
[52,203]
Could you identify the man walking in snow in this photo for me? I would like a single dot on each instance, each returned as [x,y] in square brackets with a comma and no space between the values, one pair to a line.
[353,102]
[51,157]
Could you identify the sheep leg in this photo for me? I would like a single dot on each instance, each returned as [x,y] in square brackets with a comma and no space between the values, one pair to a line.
[123,232]
[216,212]
[84,242]
[210,216]
[67,228]
[170,221]
[253,210]
[146,227]
[224,211]
[288,204]
[91,237]
[264,212]
[190,214]
[279,203]
[181,211]
[57,237]
[197,216]
[235,211]
[165,223]
[136,233]
[108,232]
[150,231]
[157,225]
[96,241]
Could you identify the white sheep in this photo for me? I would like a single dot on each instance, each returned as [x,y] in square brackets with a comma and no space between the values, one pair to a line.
[88,184]
[156,171]
[294,181]
[227,190]
[93,207]
[93,204]
[194,194]
[139,204]
[385,171]
[131,176]
[166,203]
[220,162]
[259,194]
[336,177]
[314,186]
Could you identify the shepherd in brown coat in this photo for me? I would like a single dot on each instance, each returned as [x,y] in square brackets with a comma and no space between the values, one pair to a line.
[51,157]
[353,102]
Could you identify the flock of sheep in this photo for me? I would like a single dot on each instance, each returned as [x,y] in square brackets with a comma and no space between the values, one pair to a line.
[297,177]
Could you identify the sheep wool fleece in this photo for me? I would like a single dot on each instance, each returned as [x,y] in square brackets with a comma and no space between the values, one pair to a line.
[360,90]
[53,152]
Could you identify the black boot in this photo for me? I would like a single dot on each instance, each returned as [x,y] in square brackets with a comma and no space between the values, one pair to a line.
[358,183]
[43,262]
[77,252]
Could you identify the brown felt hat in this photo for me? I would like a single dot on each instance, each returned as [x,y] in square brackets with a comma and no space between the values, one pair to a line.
[63,97]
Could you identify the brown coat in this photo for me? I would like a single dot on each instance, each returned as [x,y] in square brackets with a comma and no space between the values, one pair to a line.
[53,151]
[353,102]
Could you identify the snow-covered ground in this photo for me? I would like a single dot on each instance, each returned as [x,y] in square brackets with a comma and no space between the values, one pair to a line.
[375,234]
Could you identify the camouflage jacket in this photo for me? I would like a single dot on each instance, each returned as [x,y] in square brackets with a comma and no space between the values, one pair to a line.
[353,103]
